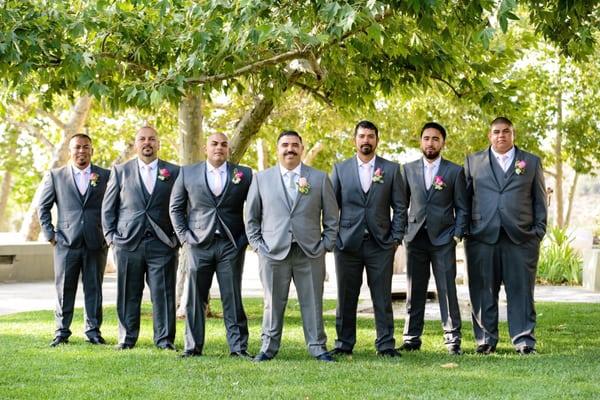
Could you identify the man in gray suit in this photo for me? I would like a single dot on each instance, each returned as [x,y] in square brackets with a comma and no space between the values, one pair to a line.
[207,214]
[367,189]
[79,247]
[291,221]
[437,217]
[135,218]
[508,221]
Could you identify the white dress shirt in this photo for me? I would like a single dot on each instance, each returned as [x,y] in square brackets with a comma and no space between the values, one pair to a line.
[365,173]
[216,177]
[82,177]
[430,170]
[505,160]
[290,178]
[149,174]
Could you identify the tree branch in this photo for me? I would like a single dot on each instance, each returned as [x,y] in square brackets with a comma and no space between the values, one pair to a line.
[32,131]
[314,92]
[57,121]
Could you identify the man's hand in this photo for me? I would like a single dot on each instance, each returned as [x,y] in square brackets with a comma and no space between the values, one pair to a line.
[52,241]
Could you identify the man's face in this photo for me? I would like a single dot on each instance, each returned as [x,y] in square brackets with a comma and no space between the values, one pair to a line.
[365,141]
[432,143]
[217,149]
[501,137]
[289,151]
[146,143]
[81,152]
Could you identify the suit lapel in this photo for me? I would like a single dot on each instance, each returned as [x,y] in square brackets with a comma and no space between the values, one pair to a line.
[141,189]
[511,168]
[374,184]
[204,187]
[157,183]
[417,170]
[73,184]
[277,177]
[226,182]
[441,171]
[304,173]
[487,160]
[356,177]
[93,170]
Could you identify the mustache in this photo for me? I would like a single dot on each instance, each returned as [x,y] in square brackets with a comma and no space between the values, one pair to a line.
[287,153]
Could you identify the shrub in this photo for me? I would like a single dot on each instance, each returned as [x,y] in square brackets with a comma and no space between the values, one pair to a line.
[559,262]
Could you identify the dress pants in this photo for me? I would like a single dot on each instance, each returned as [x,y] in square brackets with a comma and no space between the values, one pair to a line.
[68,264]
[308,275]
[349,267]
[220,257]
[515,266]
[157,263]
[420,255]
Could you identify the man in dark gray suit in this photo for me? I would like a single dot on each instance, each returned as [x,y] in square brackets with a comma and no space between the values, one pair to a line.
[135,218]
[207,213]
[437,217]
[291,221]
[367,189]
[79,247]
[508,221]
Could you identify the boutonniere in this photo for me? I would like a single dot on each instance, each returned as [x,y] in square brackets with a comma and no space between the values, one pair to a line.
[164,174]
[438,183]
[520,167]
[237,176]
[303,185]
[94,178]
[378,176]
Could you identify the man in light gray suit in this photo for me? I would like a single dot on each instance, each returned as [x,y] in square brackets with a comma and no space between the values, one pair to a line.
[437,217]
[207,213]
[135,219]
[508,221]
[79,247]
[367,188]
[291,221]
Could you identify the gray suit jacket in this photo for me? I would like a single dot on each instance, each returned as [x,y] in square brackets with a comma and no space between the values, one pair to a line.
[78,217]
[125,212]
[372,211]
[445,211]
[196,213]
[272,222]
[518,205]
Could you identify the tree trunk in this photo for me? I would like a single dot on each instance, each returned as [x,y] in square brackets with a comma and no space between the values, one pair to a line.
[4,193]
[30,229]
[248,126]
[558,190]
[261,155]
[570,199]
[313,153]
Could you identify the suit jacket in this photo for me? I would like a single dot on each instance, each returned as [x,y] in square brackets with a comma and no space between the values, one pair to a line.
[78,216]
[371,211]
[518,204]
[196,213]
[444,212]
[125,212]
[272,222]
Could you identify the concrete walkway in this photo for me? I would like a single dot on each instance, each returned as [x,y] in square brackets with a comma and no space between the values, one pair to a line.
[18,297]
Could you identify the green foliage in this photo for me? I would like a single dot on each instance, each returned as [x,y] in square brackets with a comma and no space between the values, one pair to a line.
[559,262]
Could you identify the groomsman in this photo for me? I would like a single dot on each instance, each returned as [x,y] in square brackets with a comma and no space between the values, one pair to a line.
[79,247]
[437,217]
[207,214]
[367,188]
[508,221]
[135,219]
[291,221]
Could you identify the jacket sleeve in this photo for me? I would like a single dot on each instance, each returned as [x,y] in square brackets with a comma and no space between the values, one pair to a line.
[110,206]
[461,204]
[399,205]
[254,216]
[540,207]
[178,207]
[331,213]
[46,201]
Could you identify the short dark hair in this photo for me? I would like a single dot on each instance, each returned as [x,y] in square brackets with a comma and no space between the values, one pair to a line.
[366,125]
[82,136]
[436,126]
[502,120]
[289,133]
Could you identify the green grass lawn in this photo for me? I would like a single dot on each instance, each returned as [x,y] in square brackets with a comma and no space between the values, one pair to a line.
[567,365]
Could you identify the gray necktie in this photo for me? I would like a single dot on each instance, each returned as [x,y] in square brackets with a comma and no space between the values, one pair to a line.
[291,187]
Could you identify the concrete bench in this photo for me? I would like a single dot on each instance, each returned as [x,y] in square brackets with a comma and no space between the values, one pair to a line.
[26,262]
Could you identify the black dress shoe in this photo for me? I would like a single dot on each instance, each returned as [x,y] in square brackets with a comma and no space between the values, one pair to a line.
[454,350]
[389,353]
[167,346]
[324,357]
[241,354]
[526,350]
[485,349]
[407,346]
[190,353]
[338,351]
[124,346]
[96,340]
[260,357]
[58,341]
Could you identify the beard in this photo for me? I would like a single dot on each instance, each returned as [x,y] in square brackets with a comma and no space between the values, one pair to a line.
[431,154]
[366,149]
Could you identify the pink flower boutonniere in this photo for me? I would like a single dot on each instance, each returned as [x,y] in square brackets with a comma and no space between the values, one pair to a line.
[303,185]
[520,166]
[438,183]
[378,176]
[164,174]
[94,178]
[237,176]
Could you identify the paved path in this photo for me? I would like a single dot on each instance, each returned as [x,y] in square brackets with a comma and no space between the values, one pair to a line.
[18,297]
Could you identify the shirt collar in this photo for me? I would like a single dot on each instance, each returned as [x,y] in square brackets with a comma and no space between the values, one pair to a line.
[510,154]
[211,168]
[370,163]
[152,165]
[86,170]
[436,163]
[284,170]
